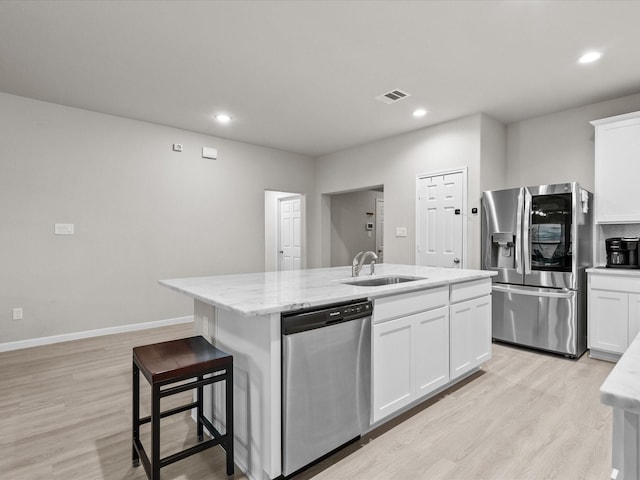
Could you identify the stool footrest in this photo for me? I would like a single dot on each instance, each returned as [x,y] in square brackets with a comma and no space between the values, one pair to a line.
[213,431]
[173,411]
[189,451]
[191,385]
[218,439]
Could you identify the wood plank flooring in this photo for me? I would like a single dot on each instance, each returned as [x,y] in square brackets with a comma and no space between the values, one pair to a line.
[65,413]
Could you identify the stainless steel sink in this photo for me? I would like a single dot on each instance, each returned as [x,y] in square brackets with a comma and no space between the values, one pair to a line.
[378,281]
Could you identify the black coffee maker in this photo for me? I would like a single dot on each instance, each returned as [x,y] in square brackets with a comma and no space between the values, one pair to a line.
[622,252]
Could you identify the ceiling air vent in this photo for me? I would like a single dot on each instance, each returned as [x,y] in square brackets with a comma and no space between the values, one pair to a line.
[392,96]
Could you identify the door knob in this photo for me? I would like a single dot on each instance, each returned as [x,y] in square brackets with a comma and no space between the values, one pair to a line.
[456,260]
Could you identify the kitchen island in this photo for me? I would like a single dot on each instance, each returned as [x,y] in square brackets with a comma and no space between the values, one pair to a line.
[621,390]
[241,315]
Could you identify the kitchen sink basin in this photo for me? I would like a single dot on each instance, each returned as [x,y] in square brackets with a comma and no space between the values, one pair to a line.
[379,281]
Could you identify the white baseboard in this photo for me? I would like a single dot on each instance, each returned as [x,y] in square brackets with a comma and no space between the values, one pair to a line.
[36,342]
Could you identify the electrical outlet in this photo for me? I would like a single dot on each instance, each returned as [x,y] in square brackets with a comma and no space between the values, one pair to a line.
[17,313]
[401,231]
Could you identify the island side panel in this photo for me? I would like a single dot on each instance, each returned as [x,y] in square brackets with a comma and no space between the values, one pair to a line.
[254,342]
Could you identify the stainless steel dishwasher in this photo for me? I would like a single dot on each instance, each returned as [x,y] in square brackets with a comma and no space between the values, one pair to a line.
[326,380]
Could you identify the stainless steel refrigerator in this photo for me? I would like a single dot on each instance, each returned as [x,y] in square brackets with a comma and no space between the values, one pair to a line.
[538,239]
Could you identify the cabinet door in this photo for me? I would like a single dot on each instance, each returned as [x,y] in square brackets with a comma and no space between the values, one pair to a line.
[608,320]
[392,366]
[634,317]
[431,347]
[470,335]
[617,169]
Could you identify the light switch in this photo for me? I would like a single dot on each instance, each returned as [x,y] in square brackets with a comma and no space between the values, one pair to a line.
[17,313]
[64,229]
[401,231]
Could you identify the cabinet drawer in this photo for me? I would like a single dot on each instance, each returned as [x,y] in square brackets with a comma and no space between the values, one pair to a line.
[404,304]
[468,290]
[614,282]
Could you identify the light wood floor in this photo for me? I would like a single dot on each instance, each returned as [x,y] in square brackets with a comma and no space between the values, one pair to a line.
[65,413]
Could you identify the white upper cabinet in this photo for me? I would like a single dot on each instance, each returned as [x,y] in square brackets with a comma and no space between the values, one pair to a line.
[617,169]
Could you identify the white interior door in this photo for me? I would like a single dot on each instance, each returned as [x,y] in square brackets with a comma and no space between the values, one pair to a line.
[440,214]
[380,229]
[290,233]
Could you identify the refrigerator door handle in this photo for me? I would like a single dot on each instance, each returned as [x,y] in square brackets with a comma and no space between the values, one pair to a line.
[526,232]
[519,233]
[534,293]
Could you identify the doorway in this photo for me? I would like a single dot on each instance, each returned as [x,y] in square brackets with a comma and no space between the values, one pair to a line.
[440,219]
[285,239]
[356,224]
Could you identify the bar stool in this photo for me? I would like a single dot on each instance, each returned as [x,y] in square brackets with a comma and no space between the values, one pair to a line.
[166,363]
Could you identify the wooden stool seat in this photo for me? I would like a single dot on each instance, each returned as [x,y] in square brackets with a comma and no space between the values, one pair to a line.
[179,359]
[176,361]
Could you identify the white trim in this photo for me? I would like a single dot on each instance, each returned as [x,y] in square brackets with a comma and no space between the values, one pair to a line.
[36,342]
[465,210]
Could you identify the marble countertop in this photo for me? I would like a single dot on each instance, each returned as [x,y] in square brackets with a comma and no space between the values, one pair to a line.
[274,292]
[626,272]
[621,389]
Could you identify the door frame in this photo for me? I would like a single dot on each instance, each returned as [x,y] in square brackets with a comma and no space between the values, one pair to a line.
[463,171]
[379,234]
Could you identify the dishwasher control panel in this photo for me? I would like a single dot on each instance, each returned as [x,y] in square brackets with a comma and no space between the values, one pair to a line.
[324,315]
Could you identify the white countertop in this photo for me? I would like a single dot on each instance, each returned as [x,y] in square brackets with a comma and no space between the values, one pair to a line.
[626,272]
[621,389]
[273,292]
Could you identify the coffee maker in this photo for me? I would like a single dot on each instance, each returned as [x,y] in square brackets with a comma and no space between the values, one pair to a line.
[622,252]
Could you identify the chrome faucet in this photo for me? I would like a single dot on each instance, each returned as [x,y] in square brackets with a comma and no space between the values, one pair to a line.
[359,260]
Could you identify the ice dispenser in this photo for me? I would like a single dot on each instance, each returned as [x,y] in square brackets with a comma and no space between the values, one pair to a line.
[502,251]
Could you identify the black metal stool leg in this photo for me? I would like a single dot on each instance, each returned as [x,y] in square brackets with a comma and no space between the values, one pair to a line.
[155,433]
[229,419]
[200,412]
[135,388]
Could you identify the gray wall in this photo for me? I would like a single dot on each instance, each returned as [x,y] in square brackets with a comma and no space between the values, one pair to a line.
[559,147]
[141,212]
[348,220]
[397,161]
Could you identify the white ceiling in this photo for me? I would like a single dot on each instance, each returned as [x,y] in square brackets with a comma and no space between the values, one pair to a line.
[302,75]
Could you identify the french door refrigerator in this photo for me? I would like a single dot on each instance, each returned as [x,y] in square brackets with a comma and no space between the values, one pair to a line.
[538,240]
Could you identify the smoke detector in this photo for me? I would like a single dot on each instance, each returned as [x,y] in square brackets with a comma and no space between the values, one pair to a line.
[393,96]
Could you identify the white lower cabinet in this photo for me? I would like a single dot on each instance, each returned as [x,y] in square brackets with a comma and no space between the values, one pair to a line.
[431,350]
[392,366]
[613,314]
[410,360]
[634,316]
[421,342]
[609,321]
[409,348]
[470,344]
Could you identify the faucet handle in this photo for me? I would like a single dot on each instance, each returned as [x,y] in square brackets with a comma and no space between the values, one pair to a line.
[356,259]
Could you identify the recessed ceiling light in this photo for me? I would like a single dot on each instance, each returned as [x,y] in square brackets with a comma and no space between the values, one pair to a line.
[589,57]
[420,112]
[223,118]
